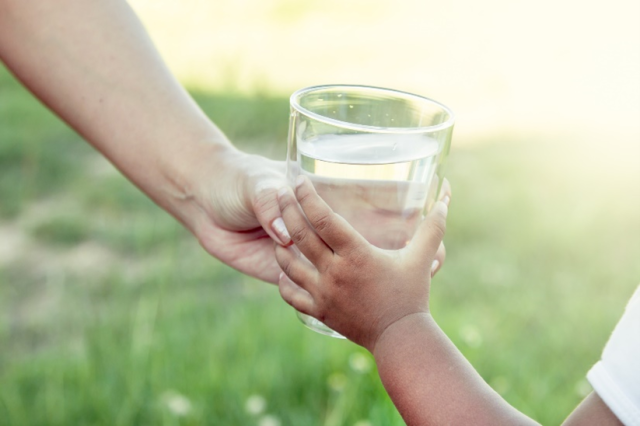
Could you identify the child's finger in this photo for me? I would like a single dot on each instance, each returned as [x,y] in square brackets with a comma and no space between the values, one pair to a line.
[441,254]
[297,269]
[333,229]
[445,191]
[296,296]
[427,240]
[302,235]
[437,263]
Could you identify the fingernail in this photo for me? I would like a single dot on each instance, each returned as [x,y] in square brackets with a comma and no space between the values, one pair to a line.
[446,200]
[281,276]
[282,191]
[281,231]
[299,180]
[445,206]
[434,267]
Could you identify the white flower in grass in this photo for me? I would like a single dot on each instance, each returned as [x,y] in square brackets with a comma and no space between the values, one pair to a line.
[363,423]
[500,384]
[360,363]
[337,381]
[582,388]
[471,336]
[269,420]
[255,404]
[177,404]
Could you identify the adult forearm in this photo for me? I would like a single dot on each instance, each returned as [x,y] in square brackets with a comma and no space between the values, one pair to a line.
[431,382]
[92,63]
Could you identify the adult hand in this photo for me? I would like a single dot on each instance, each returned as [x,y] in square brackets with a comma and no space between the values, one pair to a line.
[238,194]
[93,64]
[111,86]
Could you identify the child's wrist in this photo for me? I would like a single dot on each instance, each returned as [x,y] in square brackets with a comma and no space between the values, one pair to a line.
[403,327]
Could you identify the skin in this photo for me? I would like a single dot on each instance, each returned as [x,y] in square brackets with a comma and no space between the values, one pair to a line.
[379,299]
[92,63]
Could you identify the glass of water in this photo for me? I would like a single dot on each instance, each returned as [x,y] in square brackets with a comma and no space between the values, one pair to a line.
[374,155]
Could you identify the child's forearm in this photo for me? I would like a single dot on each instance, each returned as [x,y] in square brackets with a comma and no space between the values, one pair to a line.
[431,382]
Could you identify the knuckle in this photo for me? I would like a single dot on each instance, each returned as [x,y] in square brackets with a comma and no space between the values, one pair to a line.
[287,268]
[345,270]
[441,225]
[356,258]
[265,200]
[299,235]
[323,223]
[325,266]
[285,264]
[303,194]
[438,226]
[285,203]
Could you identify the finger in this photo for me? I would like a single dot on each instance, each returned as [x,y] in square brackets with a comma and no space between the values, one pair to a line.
[302,235]
[296,268]
[266,209]
[429,235]
[267,212]
[296,296]
[445,192]
[437,263]
[441,254]
[332,228]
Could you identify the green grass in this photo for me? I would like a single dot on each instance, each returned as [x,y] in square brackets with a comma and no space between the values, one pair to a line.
[61,230]
[542,256]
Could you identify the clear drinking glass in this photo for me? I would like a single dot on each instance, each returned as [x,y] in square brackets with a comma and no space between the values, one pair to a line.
[374,155]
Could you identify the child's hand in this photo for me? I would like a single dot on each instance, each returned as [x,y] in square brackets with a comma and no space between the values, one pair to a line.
[350,285]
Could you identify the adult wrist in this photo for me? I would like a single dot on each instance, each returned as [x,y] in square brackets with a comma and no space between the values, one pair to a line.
[186,172]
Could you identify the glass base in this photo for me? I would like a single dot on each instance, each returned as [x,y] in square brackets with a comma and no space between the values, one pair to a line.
[317,326]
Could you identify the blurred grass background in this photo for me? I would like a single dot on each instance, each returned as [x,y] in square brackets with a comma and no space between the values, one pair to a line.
[110,313]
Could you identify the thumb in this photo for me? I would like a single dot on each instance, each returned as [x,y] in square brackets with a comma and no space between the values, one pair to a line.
[267,212]
[266,207]
[429,235]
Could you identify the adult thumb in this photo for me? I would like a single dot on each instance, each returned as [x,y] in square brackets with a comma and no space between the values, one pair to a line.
[265,204]
[267,212]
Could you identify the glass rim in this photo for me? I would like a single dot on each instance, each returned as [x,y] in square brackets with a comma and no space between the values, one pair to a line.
[295,97]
